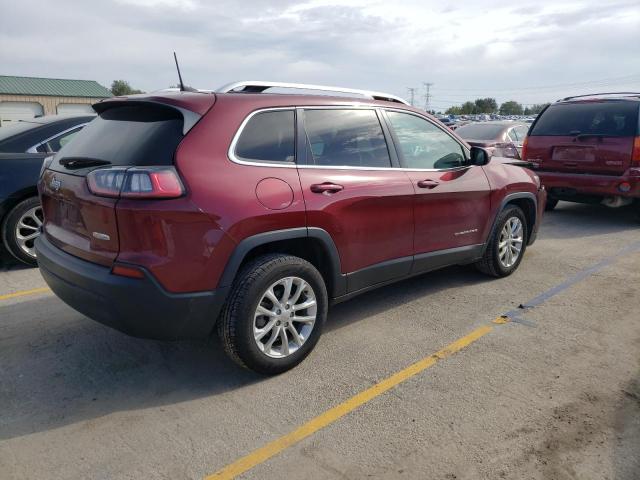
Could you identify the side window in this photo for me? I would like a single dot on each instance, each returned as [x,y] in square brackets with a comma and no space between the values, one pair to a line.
[423,145]
[350,138]
[55,144]
[522,133]
[512,135]
[268,137]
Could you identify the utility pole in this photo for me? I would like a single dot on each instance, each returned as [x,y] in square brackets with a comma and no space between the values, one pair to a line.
[427,94]
[412,96]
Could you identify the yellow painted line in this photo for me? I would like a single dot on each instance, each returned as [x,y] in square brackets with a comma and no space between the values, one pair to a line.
[271,449]
[23,293]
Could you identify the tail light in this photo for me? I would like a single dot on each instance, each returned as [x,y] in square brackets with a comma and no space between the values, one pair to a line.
[524,148]
[136,182]
[635,153]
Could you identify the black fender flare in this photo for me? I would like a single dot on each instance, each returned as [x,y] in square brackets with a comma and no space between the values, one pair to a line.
[503,204]
[339,281]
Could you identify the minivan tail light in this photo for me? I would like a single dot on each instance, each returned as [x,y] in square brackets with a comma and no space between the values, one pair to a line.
[136,182]
[635,153]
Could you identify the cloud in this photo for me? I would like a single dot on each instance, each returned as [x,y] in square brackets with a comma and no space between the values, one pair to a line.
[487,48]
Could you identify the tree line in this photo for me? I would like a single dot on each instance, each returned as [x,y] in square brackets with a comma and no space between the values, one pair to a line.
[489,105]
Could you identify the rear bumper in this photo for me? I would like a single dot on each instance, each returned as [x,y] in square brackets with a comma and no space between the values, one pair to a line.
[567,184]
[138,307]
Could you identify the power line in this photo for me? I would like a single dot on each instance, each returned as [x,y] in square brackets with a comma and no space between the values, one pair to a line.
[601,82]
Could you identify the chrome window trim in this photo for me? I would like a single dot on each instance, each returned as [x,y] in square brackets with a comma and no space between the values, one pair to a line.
[235,159]
[34,149]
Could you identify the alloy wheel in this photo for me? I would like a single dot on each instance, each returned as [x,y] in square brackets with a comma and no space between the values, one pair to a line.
[28,229]
[510,243]
[285,317]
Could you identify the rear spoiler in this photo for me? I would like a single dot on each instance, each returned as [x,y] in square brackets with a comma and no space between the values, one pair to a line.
[189,116]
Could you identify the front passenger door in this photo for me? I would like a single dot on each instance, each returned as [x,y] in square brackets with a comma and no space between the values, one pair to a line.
[452,201]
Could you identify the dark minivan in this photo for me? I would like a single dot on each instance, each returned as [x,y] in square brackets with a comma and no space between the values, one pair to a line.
[587,150]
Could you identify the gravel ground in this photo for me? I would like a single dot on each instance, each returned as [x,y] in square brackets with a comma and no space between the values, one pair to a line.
[553,395]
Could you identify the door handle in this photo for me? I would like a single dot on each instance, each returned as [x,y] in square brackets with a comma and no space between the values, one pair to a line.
[326,187]
[428,184]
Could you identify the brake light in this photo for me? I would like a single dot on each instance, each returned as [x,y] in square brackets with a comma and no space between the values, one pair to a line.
[524,148]
[135,182]
[635,153]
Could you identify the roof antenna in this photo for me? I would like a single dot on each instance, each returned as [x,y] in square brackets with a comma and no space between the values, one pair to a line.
[182,89]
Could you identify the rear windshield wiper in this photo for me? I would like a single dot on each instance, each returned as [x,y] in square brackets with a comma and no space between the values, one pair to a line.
[75,163]
[581,136]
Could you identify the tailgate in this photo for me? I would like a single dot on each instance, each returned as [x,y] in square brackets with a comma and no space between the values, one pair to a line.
[77,221]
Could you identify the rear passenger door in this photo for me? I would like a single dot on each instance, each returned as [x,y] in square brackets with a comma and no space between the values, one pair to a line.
[354,190]
[452,201]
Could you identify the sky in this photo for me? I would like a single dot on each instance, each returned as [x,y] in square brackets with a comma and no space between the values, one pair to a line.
[528,51]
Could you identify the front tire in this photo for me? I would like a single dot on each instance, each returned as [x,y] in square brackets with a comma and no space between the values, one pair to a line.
[275,313]
[20,228]
[507,244]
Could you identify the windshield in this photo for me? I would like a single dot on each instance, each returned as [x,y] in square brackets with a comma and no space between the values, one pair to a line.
[15,128]
[130,135]
[610,118]
[481,131]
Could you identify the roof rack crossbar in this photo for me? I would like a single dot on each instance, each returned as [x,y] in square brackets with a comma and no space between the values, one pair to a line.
[598,94]
[261,86]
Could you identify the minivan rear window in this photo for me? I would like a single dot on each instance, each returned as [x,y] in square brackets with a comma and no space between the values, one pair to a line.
[130,135]
[610,118]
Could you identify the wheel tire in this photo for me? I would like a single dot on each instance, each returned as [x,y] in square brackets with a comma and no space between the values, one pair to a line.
[9,230]
[236,322]
[490,263]
[551,204]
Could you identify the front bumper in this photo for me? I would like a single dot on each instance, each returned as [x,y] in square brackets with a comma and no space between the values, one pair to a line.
[567,184]
[138,307]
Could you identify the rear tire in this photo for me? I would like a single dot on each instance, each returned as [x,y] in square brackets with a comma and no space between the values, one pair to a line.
[20,228]
[510,233]
[274,298]
[551,204]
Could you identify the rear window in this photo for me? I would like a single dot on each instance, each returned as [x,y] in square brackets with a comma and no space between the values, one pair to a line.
[135,135]
[612,118]
[268,137]
[480,131]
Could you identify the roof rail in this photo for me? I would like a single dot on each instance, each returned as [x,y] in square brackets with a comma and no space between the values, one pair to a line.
[599,94]
[261,86]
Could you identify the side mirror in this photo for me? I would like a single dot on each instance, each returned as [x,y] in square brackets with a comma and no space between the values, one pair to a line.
[479,156]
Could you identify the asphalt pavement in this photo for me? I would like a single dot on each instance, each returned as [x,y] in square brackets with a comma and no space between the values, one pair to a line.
[423,379]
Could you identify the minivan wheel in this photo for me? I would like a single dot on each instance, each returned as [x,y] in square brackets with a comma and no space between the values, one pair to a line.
[274,314]
[507,244]
[20,229]
[551,204]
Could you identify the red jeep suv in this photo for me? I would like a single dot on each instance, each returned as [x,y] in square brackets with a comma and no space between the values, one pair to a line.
[587,149]
[177,213]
